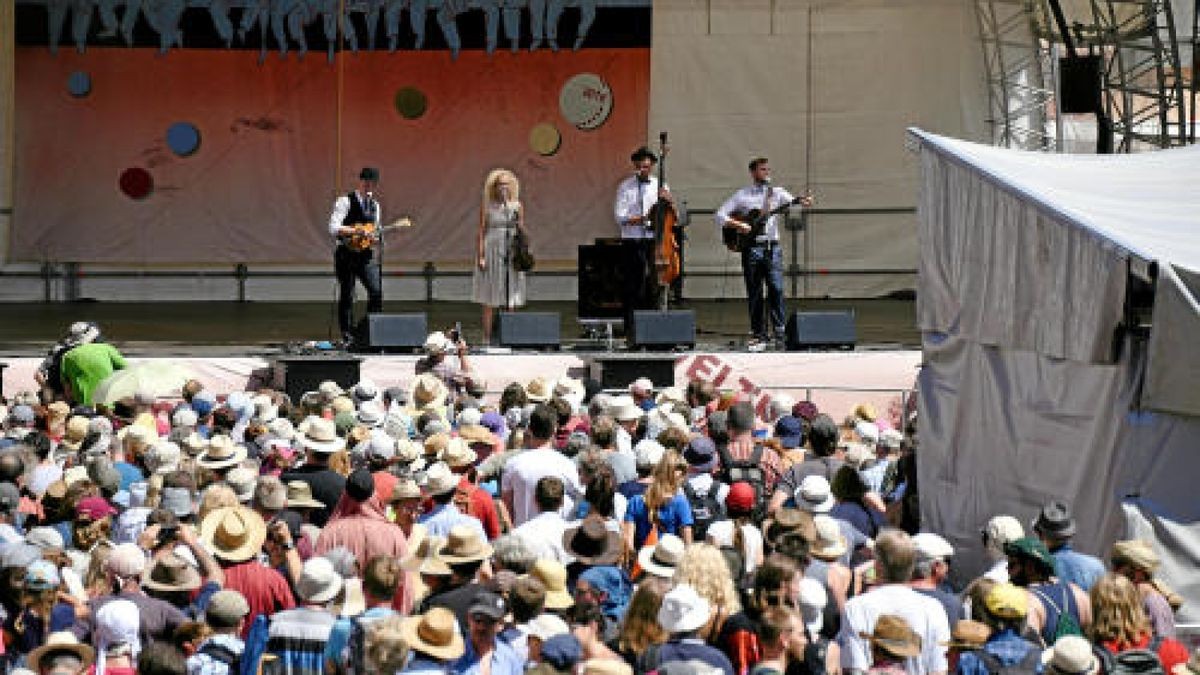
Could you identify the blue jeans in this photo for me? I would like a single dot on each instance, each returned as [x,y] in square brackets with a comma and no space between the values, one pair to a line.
[762,265]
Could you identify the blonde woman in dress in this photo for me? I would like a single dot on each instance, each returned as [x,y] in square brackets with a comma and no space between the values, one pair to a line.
[501,215]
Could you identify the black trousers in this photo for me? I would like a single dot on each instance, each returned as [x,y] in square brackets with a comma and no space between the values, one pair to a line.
[350,266]
[641,286]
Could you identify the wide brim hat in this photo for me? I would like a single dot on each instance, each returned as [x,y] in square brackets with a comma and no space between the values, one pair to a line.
[663,558]
[435,633]
[61,642]
[299,496]
[553,576]
[233,533]
[968,634]
[1070,655]
[425,554]
[464,545]
[171,573]
[320,435]
[829,543]
[1055,520]
[893,636]
[458,454]
[538,390]
[428,392]
[476,433]
[221,453]
[591,543]
[683,610]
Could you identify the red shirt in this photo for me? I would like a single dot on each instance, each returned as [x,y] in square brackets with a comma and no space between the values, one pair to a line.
[482,507]
[265,589]
[1170,651]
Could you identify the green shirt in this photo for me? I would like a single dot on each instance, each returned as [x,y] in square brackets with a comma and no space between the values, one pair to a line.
[86,366]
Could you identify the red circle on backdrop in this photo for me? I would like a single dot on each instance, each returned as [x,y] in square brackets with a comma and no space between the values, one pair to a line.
[136,183]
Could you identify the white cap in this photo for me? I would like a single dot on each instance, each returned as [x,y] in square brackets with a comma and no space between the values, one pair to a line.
[648,452]
[930,546]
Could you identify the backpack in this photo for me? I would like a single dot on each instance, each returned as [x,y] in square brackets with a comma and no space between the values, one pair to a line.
[356,646]
[1066,624]
[1028,665]
[1132,661]
[746,471]
[222,654]
[706,510]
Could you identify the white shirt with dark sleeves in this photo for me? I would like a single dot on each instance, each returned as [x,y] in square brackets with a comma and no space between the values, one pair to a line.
[341,207]
[635,199]
[751,197]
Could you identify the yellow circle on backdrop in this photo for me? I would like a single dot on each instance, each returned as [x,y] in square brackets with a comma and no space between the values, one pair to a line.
[545,139]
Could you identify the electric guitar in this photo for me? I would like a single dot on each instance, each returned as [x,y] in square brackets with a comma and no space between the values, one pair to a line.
[366,234]
[757,220]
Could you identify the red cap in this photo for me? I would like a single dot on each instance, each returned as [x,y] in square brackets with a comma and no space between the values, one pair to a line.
[95,508]
[740,498]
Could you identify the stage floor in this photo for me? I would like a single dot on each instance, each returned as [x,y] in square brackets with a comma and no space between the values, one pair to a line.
[261,328]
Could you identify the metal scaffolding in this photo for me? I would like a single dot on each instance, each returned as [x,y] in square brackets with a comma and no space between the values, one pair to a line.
[1019,64]
[1144,83]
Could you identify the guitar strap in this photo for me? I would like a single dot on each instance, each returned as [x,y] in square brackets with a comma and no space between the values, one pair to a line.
[766,207]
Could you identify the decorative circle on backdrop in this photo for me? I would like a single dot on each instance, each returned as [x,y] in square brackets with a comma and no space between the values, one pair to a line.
[411,103]
[183,138]
[79,84]
[585,100]
[545,139]
[136,183]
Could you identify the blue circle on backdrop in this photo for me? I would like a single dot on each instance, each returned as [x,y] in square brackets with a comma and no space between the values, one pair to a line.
[183,138]
[79,84]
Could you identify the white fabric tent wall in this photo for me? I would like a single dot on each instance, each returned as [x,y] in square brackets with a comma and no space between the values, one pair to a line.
[1023,397]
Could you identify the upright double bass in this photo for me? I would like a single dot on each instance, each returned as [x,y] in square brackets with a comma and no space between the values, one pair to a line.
[665,219]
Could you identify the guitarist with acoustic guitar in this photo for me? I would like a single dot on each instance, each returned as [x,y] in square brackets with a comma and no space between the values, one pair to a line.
[751,222]
[355,226]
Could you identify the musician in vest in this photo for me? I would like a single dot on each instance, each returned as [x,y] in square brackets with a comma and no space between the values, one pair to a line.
[631,210]
[755,213]
[354,257]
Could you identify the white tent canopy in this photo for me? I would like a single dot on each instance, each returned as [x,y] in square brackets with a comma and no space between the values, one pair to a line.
[1029,391]
[1066,227]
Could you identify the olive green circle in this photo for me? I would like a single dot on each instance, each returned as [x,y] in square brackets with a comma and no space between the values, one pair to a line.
[545,139]
[411,103]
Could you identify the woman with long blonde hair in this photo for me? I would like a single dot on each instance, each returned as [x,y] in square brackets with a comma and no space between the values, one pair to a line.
[703,567]
[501,216]
[663,508]
[1119,622]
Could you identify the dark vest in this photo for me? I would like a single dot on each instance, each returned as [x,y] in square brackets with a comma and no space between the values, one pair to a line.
[357,214]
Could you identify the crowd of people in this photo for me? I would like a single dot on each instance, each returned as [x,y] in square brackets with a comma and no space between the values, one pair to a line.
[557,529]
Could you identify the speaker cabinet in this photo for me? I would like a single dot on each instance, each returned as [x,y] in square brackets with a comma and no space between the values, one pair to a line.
[299,374]
[821,330]
[662,330]
[618,370]
[1080,82]
[606,269]
[393,332]
[530,329]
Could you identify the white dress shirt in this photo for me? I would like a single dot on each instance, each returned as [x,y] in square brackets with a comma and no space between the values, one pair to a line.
[635,199]
[342,206]
[524,470]
[544,534]
[751,197]
[923,614]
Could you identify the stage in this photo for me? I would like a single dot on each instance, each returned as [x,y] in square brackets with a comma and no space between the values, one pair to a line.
[232,346]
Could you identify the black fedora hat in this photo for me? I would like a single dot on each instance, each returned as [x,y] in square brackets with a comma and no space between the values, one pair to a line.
[592,543]
[1055,520]
[643,153]
[368,173]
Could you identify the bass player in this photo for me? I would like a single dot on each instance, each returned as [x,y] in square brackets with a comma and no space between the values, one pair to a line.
[759,244]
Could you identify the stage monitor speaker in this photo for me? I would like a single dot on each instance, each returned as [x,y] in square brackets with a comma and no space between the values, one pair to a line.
[821,330]
[393,332]
[299,374]
[1080,79]
[530,329]
[662,330]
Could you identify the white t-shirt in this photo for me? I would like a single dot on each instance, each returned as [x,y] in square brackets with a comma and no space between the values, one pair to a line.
[522,473]
[923,614]
[544,534]
[720,534]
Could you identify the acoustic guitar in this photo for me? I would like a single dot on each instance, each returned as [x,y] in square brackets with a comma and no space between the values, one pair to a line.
[757,220]
[366,234]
